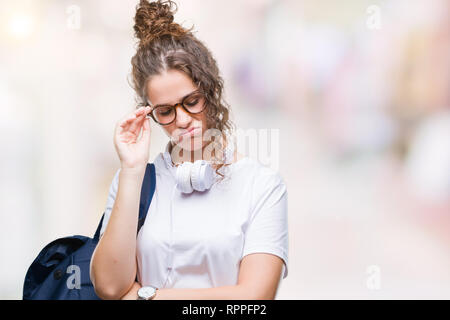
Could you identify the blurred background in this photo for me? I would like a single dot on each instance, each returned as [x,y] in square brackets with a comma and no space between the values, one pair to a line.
[359,91]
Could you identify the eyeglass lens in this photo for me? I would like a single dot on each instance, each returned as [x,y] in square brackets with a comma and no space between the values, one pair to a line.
[165,114]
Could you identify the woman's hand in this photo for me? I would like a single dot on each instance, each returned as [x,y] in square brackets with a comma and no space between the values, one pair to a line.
[133,153]
[132,293]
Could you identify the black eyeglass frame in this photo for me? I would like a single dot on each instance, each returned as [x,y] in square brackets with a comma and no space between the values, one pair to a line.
[174,107]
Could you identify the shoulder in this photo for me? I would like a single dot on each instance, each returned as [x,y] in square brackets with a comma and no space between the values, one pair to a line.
[264,177]
[268,195]
[260,170]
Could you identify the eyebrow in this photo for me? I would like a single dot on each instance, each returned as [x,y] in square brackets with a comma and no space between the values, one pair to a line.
[166,104]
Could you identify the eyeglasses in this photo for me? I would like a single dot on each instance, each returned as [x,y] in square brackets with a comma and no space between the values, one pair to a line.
[165,114]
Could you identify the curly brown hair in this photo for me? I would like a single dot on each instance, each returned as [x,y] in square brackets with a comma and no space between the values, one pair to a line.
[165,45]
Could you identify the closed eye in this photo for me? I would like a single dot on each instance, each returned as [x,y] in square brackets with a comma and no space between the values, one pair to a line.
[191,104]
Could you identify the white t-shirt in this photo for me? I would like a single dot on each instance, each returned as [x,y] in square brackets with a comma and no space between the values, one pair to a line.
[211,230]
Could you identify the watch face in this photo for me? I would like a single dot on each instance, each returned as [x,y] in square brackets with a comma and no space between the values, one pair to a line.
[146,292]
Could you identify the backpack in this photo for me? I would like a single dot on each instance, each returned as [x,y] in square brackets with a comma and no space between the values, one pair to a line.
[61,270]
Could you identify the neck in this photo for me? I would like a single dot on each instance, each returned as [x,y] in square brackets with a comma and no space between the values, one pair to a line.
[206,152]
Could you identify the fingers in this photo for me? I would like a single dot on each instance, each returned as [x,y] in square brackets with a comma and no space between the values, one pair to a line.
[146,127]
[127,120]
[146,131]
[136,125]
[133,117]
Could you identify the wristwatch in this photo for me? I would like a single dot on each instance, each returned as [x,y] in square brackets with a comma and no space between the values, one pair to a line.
[146,293]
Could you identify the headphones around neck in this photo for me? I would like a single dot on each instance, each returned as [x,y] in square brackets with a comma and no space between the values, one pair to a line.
[198,175]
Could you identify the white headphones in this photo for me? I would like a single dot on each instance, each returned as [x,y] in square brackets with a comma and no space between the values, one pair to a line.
[199,175]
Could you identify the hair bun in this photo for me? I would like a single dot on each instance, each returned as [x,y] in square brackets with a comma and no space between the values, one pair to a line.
[155,19]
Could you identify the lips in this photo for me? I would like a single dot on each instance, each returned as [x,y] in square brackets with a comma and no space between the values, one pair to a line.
[190,132]
[192,129]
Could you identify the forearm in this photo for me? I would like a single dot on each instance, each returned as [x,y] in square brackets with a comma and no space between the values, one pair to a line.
[235,292]
[113,266]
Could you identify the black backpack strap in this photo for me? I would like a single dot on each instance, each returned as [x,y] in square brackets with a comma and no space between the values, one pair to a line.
[147,191]
[97,232]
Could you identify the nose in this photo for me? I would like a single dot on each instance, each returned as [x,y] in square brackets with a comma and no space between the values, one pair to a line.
[183,118]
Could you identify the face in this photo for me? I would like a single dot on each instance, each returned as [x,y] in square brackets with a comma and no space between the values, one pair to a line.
[170,88]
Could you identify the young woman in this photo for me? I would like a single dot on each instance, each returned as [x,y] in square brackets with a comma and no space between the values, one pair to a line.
[225,238]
